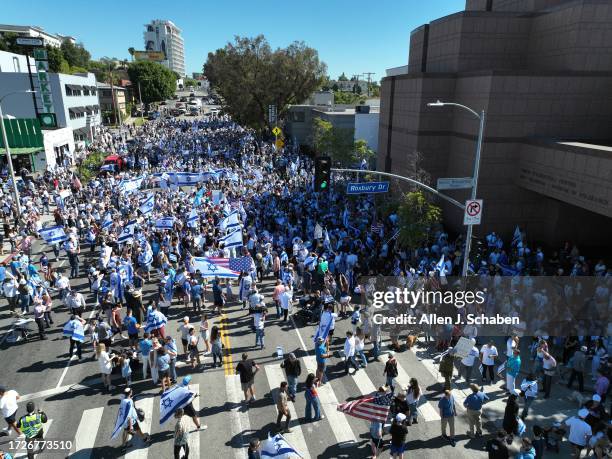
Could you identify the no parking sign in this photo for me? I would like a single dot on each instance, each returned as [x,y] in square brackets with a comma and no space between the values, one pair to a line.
[473,212]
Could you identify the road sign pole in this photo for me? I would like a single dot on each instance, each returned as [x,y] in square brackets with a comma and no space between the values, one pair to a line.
[470,228]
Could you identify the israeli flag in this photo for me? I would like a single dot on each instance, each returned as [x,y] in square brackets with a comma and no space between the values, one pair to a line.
[231,222]
[107,222]
[108,167]
[518,237]
[128,186]
[165,223]
[174,399]
[210,267]
[148,204]
[53,234]
[126,411]
[325,324]
[127,233]
[155,321]
[278,448]
[187,178]
[192,219]
[233,239]
[74,330]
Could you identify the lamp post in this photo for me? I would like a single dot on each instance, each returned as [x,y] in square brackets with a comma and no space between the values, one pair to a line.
[470,228]
[8,150]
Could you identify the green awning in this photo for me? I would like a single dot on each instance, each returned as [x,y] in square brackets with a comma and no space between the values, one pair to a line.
[21,150]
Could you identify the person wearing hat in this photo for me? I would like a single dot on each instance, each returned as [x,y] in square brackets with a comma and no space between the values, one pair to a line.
[447,365]
[31,424]
[579,431]
[399,432]
[578,368]
[473,404]
[322,355]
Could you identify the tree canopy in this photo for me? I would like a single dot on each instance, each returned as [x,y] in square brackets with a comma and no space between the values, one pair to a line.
[250,76]
[339,143]
[156,81]
[75,55]
[417,216]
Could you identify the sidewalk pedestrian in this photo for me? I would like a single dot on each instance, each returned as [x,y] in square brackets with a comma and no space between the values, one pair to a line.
[145,348]
[216,346]
[473,404]
[293,370]
[181,435]
[549,365]
[413,395]
[529,390]
[390,372]
[578,362]
[446,406]
[105,362]
[511,419]
[579,431]
[488,354]
[172,352]
[312,399]
[467,363]
[399,432]
[447,366]
[349,353]
[496,446]
[513,368]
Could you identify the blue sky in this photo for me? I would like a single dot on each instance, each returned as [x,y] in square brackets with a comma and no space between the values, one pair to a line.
[351,36]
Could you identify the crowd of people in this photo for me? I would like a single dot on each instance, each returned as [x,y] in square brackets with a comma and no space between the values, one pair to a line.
[189,185]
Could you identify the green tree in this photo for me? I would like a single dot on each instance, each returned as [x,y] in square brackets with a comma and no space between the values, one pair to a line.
[7,43]
[75,55]
[157,82]
[322,136]
[358,89]
[348,98]
[362,151]
[57,63]
[342,77]
[336,142]
[417,217]
[250,76]
[335,87]
[189,82]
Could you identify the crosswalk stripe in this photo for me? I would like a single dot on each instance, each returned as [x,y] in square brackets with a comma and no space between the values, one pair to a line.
[145,404]
[46,427]
[296,439]
[239,420]
[194,437]
[337,420]
[363,382]
[428,413]
[85,438]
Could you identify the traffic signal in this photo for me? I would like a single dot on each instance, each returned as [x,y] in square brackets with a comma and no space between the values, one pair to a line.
[322,173]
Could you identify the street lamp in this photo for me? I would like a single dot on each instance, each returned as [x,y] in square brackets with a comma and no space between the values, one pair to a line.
[8,150]
[481,117]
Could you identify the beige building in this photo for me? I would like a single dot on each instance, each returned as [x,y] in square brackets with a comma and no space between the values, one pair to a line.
[106,101]
[542,71]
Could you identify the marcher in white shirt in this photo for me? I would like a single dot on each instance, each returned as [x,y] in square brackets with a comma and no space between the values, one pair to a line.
[468,362]
[579,431]
[349,352]
[488,354]
[286,301]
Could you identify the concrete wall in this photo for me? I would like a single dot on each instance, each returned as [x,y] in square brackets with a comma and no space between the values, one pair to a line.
[52,139]
[8,64]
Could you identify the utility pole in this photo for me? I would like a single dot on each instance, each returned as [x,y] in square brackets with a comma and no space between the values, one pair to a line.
[369,74]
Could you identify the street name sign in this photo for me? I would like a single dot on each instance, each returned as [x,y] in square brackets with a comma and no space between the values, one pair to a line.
[26,41]
[473,212]
[454,183]
[367,187]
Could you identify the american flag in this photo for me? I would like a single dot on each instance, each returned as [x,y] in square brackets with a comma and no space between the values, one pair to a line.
[223,262]
[377,228]
[240,264]
[370,408]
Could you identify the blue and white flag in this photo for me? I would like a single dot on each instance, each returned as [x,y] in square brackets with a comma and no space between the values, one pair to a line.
[345,218]
[325,324]
[192,218]
[212,267]
[126,411]
[108,167]
[147,205]
[130,185]
[164,223]
[279,448]
[233,239]
[209,150]
[155,321]
[217,197]
[174,399]
[128,232]
[518,237]
[108,221]
[197,200]
[230,222]
[53,234]
[74,330]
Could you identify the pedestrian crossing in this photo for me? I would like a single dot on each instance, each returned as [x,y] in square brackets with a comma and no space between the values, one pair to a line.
[242,422]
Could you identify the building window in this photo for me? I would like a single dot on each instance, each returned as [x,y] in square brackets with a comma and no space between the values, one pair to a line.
[68,90]
[149,28]
[85,91]
[16,65]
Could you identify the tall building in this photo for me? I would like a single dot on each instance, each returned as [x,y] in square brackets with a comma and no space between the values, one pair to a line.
[50,39]
[164,36]
[542,71]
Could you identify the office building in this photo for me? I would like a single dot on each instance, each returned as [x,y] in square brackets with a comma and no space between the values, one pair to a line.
[542,71]
[164,36]
[74,102]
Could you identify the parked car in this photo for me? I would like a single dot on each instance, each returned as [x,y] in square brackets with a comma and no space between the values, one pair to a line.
[114,162]
[183,99]
[194,111]
[153,116]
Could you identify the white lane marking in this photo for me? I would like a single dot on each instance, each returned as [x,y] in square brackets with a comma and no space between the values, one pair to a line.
[299,335]
[239,419]
[85,438]
[296,439]
[46,428]
[145,404]
[58,390]
[337,420]
[194,436]
[365,385]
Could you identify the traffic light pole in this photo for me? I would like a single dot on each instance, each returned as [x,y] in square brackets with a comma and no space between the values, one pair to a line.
[406,179]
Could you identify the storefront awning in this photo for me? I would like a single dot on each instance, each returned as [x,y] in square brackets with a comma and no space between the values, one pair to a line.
[22,150]
[74,87]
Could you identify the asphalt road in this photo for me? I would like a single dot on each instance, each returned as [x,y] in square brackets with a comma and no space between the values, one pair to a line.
[71,394]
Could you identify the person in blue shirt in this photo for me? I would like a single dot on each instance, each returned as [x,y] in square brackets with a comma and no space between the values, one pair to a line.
[145,347]
[473,404]
[196,296]
[527,450]
[446,405]
[321,355]
[131,325]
